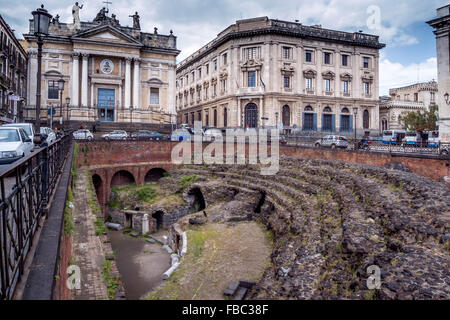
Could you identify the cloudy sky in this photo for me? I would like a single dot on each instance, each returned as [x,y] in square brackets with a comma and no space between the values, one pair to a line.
[410,54]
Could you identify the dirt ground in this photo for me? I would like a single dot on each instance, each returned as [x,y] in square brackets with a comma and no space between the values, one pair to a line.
[218,254]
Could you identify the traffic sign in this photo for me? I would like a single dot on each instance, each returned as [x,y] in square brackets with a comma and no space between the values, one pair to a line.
[51,111]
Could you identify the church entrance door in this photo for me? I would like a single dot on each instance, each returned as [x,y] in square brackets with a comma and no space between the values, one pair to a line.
[106,98]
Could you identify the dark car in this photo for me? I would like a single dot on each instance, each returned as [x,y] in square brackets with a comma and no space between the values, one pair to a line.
[147,135]
[365,142]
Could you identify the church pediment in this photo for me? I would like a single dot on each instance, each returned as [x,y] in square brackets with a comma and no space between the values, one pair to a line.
[106,33]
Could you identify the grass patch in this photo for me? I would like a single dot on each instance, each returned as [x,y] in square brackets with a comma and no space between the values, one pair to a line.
[145,193]
[112,283]
[187,180]
[100,227]
[69,225]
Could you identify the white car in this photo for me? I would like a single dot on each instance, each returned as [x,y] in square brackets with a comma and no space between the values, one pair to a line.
[116,135]
[51,136]
[27,127]
[14,144]
[212,134]
[83,134]
[180,135]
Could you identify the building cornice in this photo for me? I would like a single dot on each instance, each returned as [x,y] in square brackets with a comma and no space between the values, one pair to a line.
[288,29]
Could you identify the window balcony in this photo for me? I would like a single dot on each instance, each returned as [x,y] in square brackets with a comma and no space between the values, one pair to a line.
[328,93]
[309,91]
[251,90]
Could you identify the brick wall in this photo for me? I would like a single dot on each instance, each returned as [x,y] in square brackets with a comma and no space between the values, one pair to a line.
[125,152]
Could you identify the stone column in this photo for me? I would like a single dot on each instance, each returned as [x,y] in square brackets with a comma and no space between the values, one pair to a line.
[84,80]
[239,113]
[75,79]
[32,70]
[127,82]
[136,84]
[261,111]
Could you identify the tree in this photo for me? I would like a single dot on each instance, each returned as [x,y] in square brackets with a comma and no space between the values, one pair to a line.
[420,120]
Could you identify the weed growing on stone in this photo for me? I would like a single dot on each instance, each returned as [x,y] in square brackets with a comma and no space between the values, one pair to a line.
[68,219]
[187,180]
[112,283]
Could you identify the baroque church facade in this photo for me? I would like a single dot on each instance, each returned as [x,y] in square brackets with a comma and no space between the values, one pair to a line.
[112,73]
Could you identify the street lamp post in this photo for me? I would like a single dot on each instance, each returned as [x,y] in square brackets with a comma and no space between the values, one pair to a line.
[355,113]
[41,20]
[61,90]
[67,109]
[131,114]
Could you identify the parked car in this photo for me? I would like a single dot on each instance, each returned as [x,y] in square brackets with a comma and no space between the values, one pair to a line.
[283,140]
[14,144]
[116,135]
[50,135]
[212,134]
[445,150]
[366,142]
[83,134]
[147,135]
[27,127]
[180,135]
[332,141]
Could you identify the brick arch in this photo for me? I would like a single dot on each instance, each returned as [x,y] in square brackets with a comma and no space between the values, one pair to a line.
[122,177]
[154,174]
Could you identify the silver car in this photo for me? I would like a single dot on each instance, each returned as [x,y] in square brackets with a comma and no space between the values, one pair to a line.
[116,135]
[332,141]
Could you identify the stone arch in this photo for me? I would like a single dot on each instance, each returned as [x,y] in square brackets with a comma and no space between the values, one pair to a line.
[196,199]
[154,174]
[98,185]
[158,221]
[122,178]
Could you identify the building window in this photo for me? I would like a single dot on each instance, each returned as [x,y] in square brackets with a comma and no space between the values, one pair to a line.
[384,125]
[327,122]
[207,117]
[53,92]
[432,96]
[287,82]
[366,62]
[287,53]
[345,123]
[416,97]
[344,60]
[214,89]
[215,64]
[345,86]
[366,88]
[327,85]
[224,85]
[207,68]
[251,53]
[154,96]
[224,59]
[225,117]
[308,122]
[193,77]
[252,79]
[308,83]
[308,55]
[366,119]
[215,117]
[199,73]
[327,58]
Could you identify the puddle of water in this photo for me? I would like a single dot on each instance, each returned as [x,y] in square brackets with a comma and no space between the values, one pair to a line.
[141,264]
